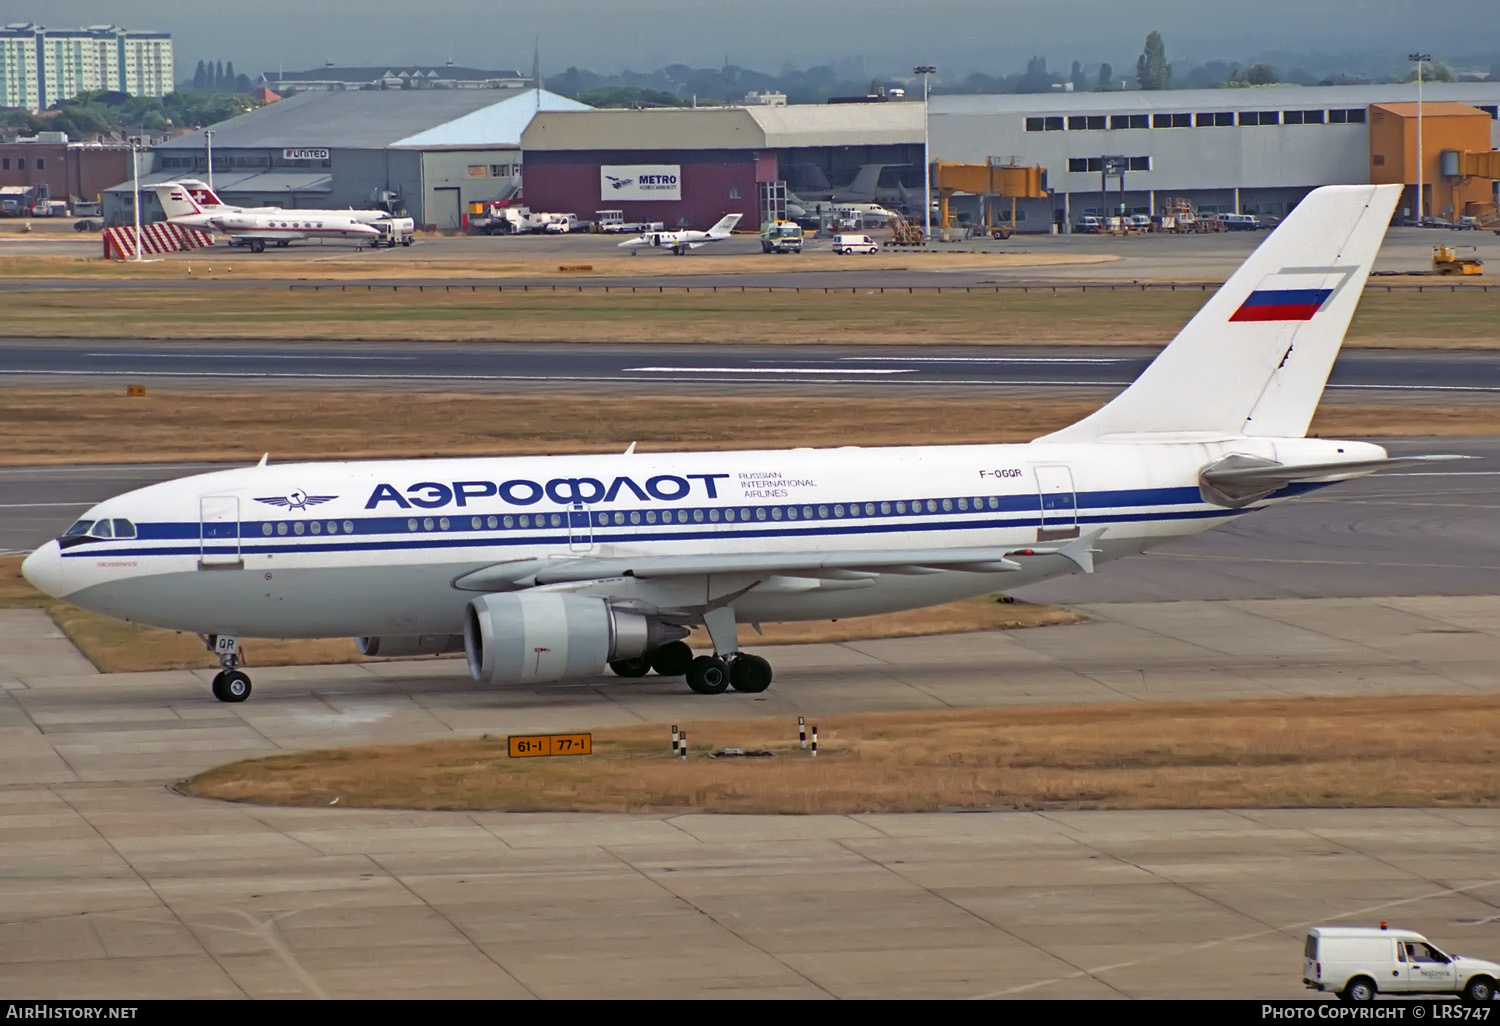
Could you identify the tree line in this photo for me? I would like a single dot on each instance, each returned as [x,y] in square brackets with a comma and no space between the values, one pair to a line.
[219,77]
[679,85]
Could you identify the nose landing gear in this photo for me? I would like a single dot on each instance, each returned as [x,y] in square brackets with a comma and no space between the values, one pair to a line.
[230,684]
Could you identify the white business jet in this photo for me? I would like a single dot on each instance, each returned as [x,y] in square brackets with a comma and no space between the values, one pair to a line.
[255,226]
[551,568]
[681,242]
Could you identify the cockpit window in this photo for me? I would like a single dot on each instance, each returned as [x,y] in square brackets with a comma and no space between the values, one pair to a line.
[82,527]
[124,529]
[102,530]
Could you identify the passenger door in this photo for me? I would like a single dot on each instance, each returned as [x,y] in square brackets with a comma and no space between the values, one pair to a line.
[1059,503]
[219,533]
[580,528]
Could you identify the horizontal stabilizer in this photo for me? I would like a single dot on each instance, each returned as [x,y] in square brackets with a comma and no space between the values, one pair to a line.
[1270,473]
[1239,480]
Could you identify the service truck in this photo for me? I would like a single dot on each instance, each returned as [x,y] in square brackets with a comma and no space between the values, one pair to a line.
[781,237]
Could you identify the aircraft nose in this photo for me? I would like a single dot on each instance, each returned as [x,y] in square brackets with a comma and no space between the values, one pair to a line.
[44,569]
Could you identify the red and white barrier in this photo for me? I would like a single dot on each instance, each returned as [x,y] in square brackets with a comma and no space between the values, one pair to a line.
[160,237]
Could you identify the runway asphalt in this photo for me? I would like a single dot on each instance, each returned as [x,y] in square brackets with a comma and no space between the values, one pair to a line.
[1386,375]
[1428,531]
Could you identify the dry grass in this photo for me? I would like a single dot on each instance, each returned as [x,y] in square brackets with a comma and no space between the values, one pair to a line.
[1397,320]
[44,426]
[512,260]
[117,647]
[1310,753]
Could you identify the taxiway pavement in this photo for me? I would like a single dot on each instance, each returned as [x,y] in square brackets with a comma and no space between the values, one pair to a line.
[114,886]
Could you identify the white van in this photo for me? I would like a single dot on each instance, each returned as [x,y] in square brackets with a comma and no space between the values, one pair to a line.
[854,244]
[1358,962]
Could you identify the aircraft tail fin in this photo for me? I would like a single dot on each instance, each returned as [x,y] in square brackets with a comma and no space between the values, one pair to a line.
[865,180]
[176,200]
[202,194]
[725,226]
[1255,358]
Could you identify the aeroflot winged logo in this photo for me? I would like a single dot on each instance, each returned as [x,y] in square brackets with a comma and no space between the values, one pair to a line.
[297,499]
[1292,294]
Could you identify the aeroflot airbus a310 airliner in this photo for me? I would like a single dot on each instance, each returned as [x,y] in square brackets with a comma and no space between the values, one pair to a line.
[550,568]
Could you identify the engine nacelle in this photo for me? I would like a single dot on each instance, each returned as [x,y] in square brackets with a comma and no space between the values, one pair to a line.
[534,637]
[401,646]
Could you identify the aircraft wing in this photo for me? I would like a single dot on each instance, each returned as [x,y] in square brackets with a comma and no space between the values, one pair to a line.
[844,565]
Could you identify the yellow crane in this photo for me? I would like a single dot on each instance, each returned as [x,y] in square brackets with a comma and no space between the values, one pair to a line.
[989,181]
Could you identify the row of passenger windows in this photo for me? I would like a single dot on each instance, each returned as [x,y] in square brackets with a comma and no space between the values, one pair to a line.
[313,527]
[621,518]
[711,515]
[1202,119]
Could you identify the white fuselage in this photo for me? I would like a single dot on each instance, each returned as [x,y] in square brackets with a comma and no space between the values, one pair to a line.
[282,225]
[371,548]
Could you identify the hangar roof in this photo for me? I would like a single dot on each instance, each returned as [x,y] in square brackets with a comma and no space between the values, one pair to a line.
[1250,98]
[500,123]
[243,181]
[727,128]
[377,118]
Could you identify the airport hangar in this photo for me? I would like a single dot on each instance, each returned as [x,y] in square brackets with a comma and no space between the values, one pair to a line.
[427,153]
[1256,150]
[688,167]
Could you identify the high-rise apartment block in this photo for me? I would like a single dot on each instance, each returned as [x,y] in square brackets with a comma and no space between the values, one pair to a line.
[40,66]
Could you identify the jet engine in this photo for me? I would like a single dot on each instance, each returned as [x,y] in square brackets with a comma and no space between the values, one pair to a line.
[401,646]
[534,637]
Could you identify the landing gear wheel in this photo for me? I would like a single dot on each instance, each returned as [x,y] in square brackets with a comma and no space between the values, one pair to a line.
[672,659]
[750,674]
[257,245]
[709,675]
[637,667]
[231,686]
[283,243]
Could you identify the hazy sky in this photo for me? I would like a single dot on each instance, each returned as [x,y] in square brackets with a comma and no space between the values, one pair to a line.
[611,35]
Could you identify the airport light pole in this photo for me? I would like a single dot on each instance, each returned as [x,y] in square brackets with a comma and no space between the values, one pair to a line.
[1420,58]
[135,167]
[926,71]
[209,135]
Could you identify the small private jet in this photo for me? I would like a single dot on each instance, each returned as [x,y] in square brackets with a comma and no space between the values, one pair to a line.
[681,242]
[551,568]
[256,226]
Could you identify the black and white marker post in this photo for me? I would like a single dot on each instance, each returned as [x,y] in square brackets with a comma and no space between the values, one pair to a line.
[802,731]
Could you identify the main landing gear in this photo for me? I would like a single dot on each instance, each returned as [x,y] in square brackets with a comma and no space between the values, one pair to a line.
[230,684]
[706,675]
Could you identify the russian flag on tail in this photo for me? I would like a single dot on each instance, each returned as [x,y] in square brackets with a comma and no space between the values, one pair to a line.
[1285,297]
